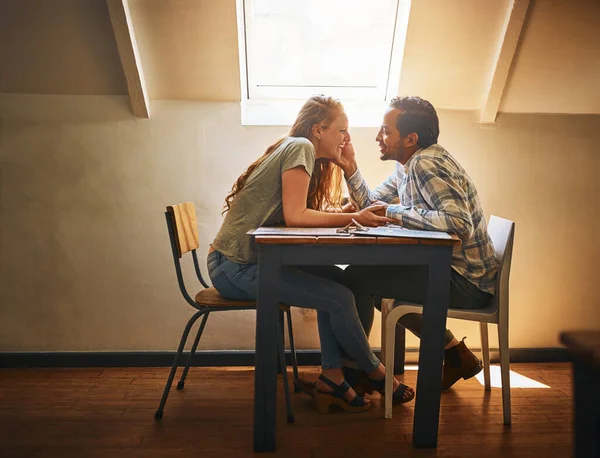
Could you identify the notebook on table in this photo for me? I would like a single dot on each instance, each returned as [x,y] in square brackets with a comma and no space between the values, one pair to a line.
[299,231]
[383,231]
[399,231]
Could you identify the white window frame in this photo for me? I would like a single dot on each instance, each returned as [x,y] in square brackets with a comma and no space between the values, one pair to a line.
[363,109]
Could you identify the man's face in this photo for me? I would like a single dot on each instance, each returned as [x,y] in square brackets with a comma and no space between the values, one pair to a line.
[391,144]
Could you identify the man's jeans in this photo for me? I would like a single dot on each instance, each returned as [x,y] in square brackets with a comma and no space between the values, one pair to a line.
[406,283]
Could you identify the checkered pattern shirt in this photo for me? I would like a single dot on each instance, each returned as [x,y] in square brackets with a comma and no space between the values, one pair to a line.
[435,193]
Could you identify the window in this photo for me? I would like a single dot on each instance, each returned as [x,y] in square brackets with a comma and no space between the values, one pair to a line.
[292,49]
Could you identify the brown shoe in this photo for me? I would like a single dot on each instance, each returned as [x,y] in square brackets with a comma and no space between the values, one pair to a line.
[459,363]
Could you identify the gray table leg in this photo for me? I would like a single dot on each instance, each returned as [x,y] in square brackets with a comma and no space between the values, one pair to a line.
[265,376]
[587,410]
[431,353]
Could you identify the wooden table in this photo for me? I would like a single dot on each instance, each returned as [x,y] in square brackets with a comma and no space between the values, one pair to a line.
[275,251]
[584,347]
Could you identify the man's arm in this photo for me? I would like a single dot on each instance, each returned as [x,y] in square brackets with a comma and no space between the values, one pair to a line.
[363,196]
[441,192]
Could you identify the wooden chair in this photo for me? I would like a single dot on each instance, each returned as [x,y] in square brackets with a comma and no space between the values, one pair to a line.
[183,233]
[502,233]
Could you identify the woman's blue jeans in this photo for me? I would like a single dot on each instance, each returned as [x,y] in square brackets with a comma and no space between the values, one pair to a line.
[307,287]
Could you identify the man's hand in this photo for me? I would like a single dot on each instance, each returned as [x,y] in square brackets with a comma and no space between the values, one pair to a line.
[371,217]
[349,208]
[380,211]
[347,161]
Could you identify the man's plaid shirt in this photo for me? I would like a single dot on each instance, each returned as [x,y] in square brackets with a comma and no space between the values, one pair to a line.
[435,193]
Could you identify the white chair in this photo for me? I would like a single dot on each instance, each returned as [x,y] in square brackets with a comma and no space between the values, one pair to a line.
[502,234]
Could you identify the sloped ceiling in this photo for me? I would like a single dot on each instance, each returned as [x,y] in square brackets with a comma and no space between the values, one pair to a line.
[557,68]
[189,51]
[188,48]
[58,47]
[450,51]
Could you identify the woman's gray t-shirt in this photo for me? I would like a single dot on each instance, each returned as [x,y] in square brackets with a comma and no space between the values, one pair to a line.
[259,203]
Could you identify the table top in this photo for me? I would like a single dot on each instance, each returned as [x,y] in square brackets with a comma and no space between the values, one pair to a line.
[352,240]
[583,344]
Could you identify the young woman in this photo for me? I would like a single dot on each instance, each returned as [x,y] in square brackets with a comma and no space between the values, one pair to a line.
[294,181]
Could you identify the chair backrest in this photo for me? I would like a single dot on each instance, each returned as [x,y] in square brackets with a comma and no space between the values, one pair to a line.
[186,230]
[183,232]
[502,233]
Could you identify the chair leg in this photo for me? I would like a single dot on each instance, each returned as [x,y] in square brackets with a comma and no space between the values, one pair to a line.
[390,338]
[485,353]
[181,382]
[281,333]
[159,412]
[400,350]
[505,370]
[284,374]
[293,351]
[384,313]
[399,342]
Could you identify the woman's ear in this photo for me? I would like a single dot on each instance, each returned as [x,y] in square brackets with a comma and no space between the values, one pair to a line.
[316,131]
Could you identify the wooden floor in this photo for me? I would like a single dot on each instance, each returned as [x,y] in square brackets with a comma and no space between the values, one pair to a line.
[109,413]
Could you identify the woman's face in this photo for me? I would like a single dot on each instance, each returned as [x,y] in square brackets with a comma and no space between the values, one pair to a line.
[331,139]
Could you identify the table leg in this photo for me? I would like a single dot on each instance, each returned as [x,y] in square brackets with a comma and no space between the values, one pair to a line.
[587,411]
[431,353]
[265,375]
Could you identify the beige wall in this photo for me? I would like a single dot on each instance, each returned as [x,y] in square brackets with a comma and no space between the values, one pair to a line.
[85,262]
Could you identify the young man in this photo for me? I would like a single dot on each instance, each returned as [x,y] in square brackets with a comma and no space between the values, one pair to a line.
[433,193]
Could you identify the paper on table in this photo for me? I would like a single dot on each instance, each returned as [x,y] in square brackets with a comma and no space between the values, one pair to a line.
[298,231]
[399,231]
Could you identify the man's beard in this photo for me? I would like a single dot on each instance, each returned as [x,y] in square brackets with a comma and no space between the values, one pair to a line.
[390,154]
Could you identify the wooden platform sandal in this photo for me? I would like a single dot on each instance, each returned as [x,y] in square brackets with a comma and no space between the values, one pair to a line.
[398,397]
[323,400]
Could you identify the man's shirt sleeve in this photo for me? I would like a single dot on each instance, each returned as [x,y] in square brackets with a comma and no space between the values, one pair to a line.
[363,196]
[439,190]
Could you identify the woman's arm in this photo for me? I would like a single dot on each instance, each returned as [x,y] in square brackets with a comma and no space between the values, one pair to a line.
[295,184]
[360,193]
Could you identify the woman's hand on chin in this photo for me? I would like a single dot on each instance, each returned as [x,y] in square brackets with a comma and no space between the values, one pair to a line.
[347,160]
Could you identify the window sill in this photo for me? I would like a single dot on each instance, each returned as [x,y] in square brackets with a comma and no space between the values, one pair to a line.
[283,112]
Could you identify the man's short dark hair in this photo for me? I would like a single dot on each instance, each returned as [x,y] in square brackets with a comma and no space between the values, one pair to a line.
[419,116]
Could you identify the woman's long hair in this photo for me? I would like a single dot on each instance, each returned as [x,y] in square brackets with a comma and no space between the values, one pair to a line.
[325,188]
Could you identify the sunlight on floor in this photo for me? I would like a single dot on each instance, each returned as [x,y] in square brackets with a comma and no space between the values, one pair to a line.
[516,380]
